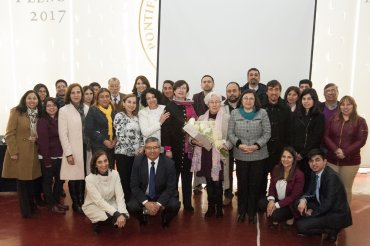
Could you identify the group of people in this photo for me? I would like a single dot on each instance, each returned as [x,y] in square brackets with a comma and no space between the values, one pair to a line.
[131,149]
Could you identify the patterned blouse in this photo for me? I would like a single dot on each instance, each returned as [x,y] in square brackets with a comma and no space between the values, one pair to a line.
[129,137]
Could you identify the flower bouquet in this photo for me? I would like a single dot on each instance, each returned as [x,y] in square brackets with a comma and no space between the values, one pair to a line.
[202,131]
[205,133]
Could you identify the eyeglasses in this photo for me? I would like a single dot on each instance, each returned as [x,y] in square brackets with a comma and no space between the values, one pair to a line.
[152,148]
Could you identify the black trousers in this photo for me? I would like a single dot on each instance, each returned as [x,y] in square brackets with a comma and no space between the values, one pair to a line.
[186,180]
[279,215]
[305,168]
[214,192]
[317,225]
[171,208]
[26,197]
[249,174]
[124,167]
[52,192]
[270,163]
[229,192]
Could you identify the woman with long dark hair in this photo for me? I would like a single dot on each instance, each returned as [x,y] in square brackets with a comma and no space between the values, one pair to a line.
[307,129]
[50,155]
[21,161]
[286,186]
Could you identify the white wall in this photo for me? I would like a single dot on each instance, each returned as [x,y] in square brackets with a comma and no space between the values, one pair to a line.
[80,41]
[342,53]
[226,38]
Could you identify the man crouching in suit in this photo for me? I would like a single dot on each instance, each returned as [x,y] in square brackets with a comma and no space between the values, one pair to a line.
[153,185]
[324,206]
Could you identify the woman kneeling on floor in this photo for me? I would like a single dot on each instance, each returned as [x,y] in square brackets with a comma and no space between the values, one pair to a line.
[104,199]
[286,186]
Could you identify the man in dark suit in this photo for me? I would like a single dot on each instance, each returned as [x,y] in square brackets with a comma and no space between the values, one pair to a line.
[153,185]
[324,207]
[279,115]
[114,87]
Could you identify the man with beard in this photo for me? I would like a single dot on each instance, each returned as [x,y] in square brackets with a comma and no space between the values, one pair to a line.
[279,115]
[61,88]
[254,83]
[232,97]
[207,84]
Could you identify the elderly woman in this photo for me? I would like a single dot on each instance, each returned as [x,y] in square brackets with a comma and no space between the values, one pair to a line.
[307,129]
[291,97]
[21,161]
[211,164]
[176,142]
[249,130]
[50,155]
[345,134]
[104,197]
[71,123]
[99,125]
[286,186]
[153,115]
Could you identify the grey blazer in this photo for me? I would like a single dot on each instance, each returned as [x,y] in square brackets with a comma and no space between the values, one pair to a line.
[257,130]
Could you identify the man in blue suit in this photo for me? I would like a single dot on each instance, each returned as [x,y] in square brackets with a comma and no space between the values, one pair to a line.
[153,185]
[324,208]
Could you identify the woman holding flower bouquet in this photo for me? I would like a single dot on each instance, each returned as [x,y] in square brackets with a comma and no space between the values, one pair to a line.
[176,142]
[249,130]
[210,163]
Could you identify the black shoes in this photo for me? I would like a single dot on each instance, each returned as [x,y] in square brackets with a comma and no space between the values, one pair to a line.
[210,211]
[189,208]
[56,210]
[77,208]
[241,218]
[331,237]
[96,227]
[143,220]
[219,212]
[164,219]
[252,220]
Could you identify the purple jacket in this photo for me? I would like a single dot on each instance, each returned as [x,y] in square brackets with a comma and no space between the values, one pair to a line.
[349,137]
[48,139]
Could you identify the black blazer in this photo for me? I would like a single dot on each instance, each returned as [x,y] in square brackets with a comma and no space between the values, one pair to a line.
[333,199]
[306,131]
[165,179]
[172,133]
[96,127]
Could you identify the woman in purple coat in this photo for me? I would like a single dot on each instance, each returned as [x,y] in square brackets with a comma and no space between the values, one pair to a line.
[50,155]
[286,186]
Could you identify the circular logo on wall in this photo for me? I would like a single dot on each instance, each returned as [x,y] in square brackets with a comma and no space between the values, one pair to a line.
[148,29]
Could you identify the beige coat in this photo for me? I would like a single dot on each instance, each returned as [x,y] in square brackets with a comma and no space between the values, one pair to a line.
[71,138]
[27,167]
[104,195]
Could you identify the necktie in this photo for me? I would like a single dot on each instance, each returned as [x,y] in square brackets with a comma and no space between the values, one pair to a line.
[317,193]
[115,100]
[152,181]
